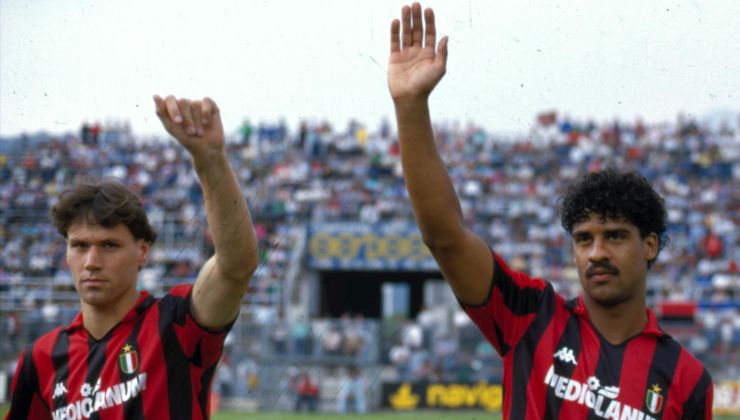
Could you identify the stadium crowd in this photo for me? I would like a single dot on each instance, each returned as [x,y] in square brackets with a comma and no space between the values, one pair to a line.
[508,187]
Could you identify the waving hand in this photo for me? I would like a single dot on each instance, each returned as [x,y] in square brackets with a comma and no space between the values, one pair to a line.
[415,67]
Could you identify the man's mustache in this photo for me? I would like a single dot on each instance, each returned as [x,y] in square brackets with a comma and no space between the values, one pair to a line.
[601,266]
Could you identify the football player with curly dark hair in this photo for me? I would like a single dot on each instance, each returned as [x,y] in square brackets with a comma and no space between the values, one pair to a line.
[599,355]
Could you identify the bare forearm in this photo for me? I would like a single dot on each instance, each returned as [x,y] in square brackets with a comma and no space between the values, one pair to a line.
[228,217]
[432,193]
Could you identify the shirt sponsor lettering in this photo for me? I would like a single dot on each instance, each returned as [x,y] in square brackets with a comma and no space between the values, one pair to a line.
[95,399]
[601,400]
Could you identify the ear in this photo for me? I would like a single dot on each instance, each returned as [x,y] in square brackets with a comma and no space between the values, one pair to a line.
[144,247]
[651,246]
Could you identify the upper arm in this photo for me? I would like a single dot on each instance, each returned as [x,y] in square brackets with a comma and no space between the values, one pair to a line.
[467,264]
[216,296]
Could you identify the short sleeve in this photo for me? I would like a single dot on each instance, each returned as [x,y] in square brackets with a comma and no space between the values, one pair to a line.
[514,300]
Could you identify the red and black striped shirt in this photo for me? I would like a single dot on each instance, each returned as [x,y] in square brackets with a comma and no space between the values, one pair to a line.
[157,363]
[557,365]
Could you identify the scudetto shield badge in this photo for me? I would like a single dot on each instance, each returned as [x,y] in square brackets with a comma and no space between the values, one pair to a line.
[654,400]
[128,360]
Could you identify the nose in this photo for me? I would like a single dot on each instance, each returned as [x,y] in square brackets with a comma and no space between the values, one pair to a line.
[599,251]
[93,259]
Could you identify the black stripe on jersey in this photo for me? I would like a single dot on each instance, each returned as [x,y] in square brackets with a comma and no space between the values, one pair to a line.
[134,408]
[519,300]
[570,339]
[173,310]
[60,360]
[26,388]
[524,354]
[695,406]
[665,360]
[500,337]
[95,364]
[205,388]
[608,369]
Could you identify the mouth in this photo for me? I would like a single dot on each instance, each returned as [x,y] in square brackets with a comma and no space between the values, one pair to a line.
[601,274]
[600,277]
[92,282]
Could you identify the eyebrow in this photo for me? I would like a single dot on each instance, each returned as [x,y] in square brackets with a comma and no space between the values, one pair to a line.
[101,241]
[620,230]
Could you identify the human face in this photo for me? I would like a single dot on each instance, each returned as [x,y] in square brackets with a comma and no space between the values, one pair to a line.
[612,259]
[104,263]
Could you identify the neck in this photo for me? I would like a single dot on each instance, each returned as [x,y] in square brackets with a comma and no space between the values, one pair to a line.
[98,320]
[620,322]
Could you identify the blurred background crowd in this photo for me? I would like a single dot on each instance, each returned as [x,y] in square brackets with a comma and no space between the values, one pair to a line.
[508,186]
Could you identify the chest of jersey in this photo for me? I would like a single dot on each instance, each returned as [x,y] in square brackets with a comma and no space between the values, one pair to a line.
[581,375]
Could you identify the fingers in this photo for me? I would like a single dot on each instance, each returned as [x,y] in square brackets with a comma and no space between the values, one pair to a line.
[430,32]
[172,109]
[196,107]
[413,31]
[406,26]
[186,110]
[416,30]
[210,110]
[395,36]
[441,57]
[163,112]
[192,117]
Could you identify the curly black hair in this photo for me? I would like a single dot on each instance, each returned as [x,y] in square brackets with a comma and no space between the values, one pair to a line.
[614,194]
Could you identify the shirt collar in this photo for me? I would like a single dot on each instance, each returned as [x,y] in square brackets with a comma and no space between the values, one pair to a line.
[577,306]
[145,300]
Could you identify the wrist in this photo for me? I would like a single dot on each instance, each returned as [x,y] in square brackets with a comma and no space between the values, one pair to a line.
[207,159]
[411,103]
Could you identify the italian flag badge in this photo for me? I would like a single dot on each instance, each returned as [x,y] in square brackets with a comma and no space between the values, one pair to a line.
[654,400]
[128,360]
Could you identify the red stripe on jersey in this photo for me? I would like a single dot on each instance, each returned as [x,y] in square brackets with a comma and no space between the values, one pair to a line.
[587,361]
[152,360]
[16,377]
[709,398]
[687,373]
[638,357]
[512,326]
[192,337]
[508,384]
[42,350]
[543,359]
[520,279]
[78,352]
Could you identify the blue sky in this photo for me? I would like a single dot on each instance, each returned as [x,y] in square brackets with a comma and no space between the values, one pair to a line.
[66,62]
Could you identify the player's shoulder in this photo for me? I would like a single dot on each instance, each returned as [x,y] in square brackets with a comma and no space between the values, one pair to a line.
[180,290]
[44,345]
[685,361]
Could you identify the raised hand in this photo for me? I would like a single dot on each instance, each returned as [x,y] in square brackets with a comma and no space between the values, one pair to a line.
[415,67]
[196,124]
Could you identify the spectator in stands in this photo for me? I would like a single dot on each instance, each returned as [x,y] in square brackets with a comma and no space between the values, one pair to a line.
[400,357]
[331,341]
[307,393]
[352,392]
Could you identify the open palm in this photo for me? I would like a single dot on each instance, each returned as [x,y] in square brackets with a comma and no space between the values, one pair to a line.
[415,67]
